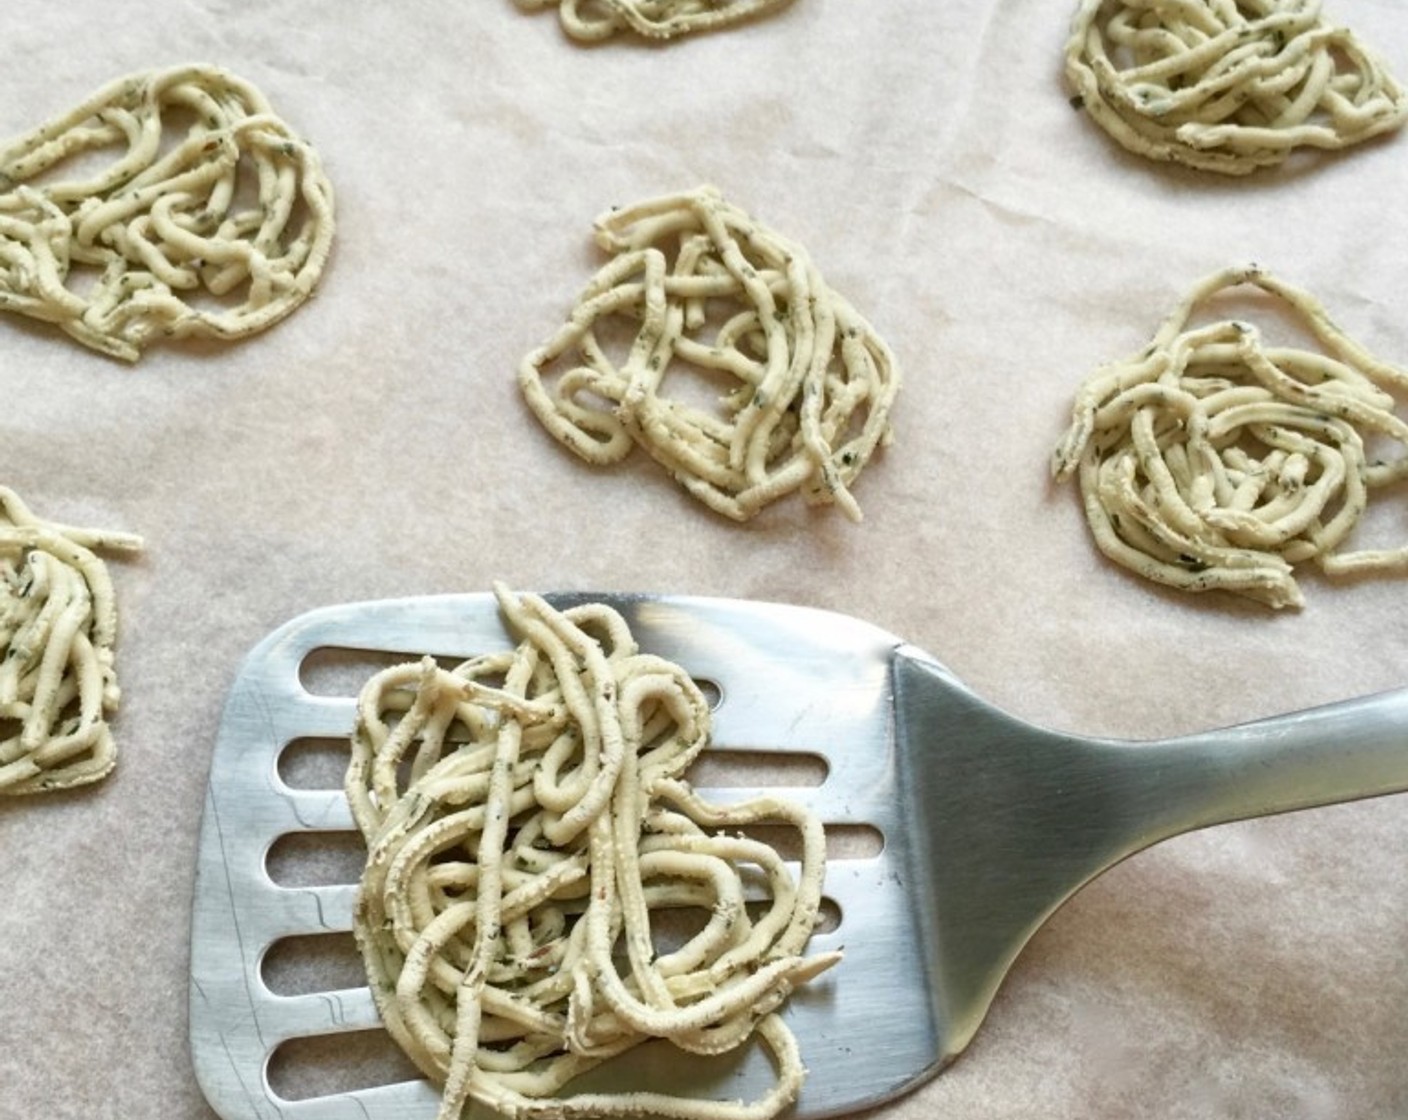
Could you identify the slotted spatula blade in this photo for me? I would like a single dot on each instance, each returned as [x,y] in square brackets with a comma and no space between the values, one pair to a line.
[988,825]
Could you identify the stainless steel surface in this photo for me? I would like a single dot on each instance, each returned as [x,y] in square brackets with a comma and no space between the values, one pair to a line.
[989,824]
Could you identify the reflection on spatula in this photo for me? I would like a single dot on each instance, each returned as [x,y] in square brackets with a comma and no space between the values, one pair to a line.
[988,825]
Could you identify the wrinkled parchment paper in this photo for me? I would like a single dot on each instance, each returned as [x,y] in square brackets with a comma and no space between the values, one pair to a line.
[374,445]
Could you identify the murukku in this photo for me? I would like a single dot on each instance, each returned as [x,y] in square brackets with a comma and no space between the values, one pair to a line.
[529,828]
[591,21]
[1214,460]
[217,231]
[1227,85]
[704,292]
[58,623]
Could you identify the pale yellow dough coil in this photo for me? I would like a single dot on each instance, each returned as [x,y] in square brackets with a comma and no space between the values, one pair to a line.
[528,826]
[705,293]
[591,21]
[58,626]
[209,216]
[1215,460]
[1227,85]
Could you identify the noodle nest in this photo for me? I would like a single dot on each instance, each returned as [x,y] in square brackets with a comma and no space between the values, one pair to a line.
[1227,85]
[1214,460]
[528,831]
[218,232]
[704,293]
[591,21]
[58,622]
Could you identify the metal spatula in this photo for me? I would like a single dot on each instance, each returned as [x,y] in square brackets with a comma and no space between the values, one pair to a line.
[988,825]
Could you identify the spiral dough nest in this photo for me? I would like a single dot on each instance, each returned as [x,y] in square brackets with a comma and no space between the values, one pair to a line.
[1227,85]
[1216,461]
[58,623]
[593,20]
[236,213]
[527,826]
[703,291]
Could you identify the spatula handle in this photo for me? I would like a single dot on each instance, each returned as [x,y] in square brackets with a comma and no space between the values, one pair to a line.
[1320,756]
[1009,820]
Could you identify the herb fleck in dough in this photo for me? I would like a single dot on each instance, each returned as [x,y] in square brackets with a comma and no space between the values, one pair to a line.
[1215,460]
[219,235]
[709,294]
[525,815]
[1227,85]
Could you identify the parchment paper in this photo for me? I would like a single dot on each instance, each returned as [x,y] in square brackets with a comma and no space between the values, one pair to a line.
[374,445]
